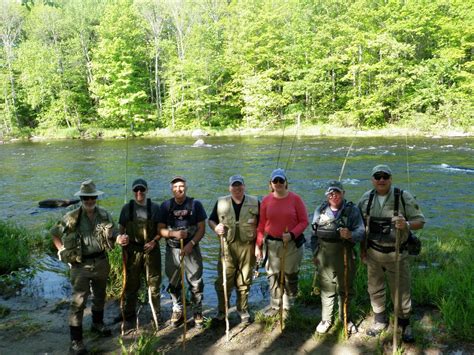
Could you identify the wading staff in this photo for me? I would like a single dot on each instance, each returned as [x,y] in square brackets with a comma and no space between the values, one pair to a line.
[282,280]
[124,284]
[224,282]
[183,293]
[147,266]
[346,288]
[345,246]
[396,301]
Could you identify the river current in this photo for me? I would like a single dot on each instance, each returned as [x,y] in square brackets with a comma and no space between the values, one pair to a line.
[439,171]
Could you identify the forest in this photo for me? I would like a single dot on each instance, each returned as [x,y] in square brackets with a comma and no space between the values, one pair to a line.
[180,64]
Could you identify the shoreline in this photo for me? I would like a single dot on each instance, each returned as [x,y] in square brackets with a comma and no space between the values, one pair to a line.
[93,133]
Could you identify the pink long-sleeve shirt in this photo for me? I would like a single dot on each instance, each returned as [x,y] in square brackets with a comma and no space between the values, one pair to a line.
[278,215]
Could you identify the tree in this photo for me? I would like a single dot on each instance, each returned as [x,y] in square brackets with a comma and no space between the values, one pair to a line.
[119,68]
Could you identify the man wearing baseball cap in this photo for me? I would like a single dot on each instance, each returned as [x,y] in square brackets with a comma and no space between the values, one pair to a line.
[139,238]
[337,227]
[235,218]
[183,218]
[388,211]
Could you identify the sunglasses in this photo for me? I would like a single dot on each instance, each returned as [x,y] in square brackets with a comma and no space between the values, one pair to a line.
[137,189]
[381,176]
[87,198]
[278,180]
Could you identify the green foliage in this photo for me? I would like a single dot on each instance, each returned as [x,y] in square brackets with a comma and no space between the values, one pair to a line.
[443,265]
[115,281]
[143,345]
[187,64]
[16,246]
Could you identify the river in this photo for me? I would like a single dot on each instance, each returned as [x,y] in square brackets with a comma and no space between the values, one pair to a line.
[439,171]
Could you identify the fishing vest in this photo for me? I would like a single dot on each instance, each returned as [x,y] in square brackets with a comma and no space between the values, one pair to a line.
[180,217]
[140,230]
[381,229]
[77,245]
[246,226]
[329,230]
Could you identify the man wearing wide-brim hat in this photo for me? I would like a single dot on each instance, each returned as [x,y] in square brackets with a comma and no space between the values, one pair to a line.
[82,238]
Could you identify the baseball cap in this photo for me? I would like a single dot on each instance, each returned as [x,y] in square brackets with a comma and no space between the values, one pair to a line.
[236,178]
[139,182]
[278,173]
[381,169]
[177,178]
[334,185]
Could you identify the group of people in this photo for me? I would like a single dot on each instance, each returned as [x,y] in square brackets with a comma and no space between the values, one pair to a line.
[250,232]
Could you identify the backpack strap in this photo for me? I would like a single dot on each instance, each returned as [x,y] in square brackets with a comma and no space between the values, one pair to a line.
[396,206]
[371,199]
[131,210]
[148,209]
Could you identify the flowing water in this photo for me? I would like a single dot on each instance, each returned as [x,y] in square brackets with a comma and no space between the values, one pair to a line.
[440,172]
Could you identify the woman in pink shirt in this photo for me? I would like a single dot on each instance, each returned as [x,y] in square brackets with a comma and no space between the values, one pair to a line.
[283,218]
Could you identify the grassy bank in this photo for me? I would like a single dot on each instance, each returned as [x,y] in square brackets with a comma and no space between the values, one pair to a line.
[441,276]
[17,245]
[441,280]
[278,130]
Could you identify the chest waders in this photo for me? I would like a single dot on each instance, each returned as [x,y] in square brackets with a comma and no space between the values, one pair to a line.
[398,195]
[396,303]
[346,287]
[282,280]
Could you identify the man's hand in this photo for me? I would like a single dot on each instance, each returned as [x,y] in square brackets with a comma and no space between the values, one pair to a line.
[148,247]
[187,249]
[122,240]
[400,222]
[345,233]
[258,252]
[220,229]
[180,234]
[286,237]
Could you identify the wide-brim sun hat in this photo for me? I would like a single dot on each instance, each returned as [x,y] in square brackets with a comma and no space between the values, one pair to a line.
[88,189]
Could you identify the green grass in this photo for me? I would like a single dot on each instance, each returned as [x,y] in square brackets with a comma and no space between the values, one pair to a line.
[143,345]
[442,277]
[16,247]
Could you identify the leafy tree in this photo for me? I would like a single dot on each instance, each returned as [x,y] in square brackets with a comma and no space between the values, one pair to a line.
[120,79]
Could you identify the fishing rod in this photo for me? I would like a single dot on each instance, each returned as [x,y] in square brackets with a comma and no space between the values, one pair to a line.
[281,143]
[124,249]
[292,146]
[126,162]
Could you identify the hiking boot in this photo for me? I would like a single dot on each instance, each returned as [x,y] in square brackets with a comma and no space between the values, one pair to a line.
[100,329]
[198,320]
[376,329]
[323,326]
[219,317]
[351,328]
[244,317]
[128,327]
[77,348]
[407,334]
[271,312]
[177,318]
